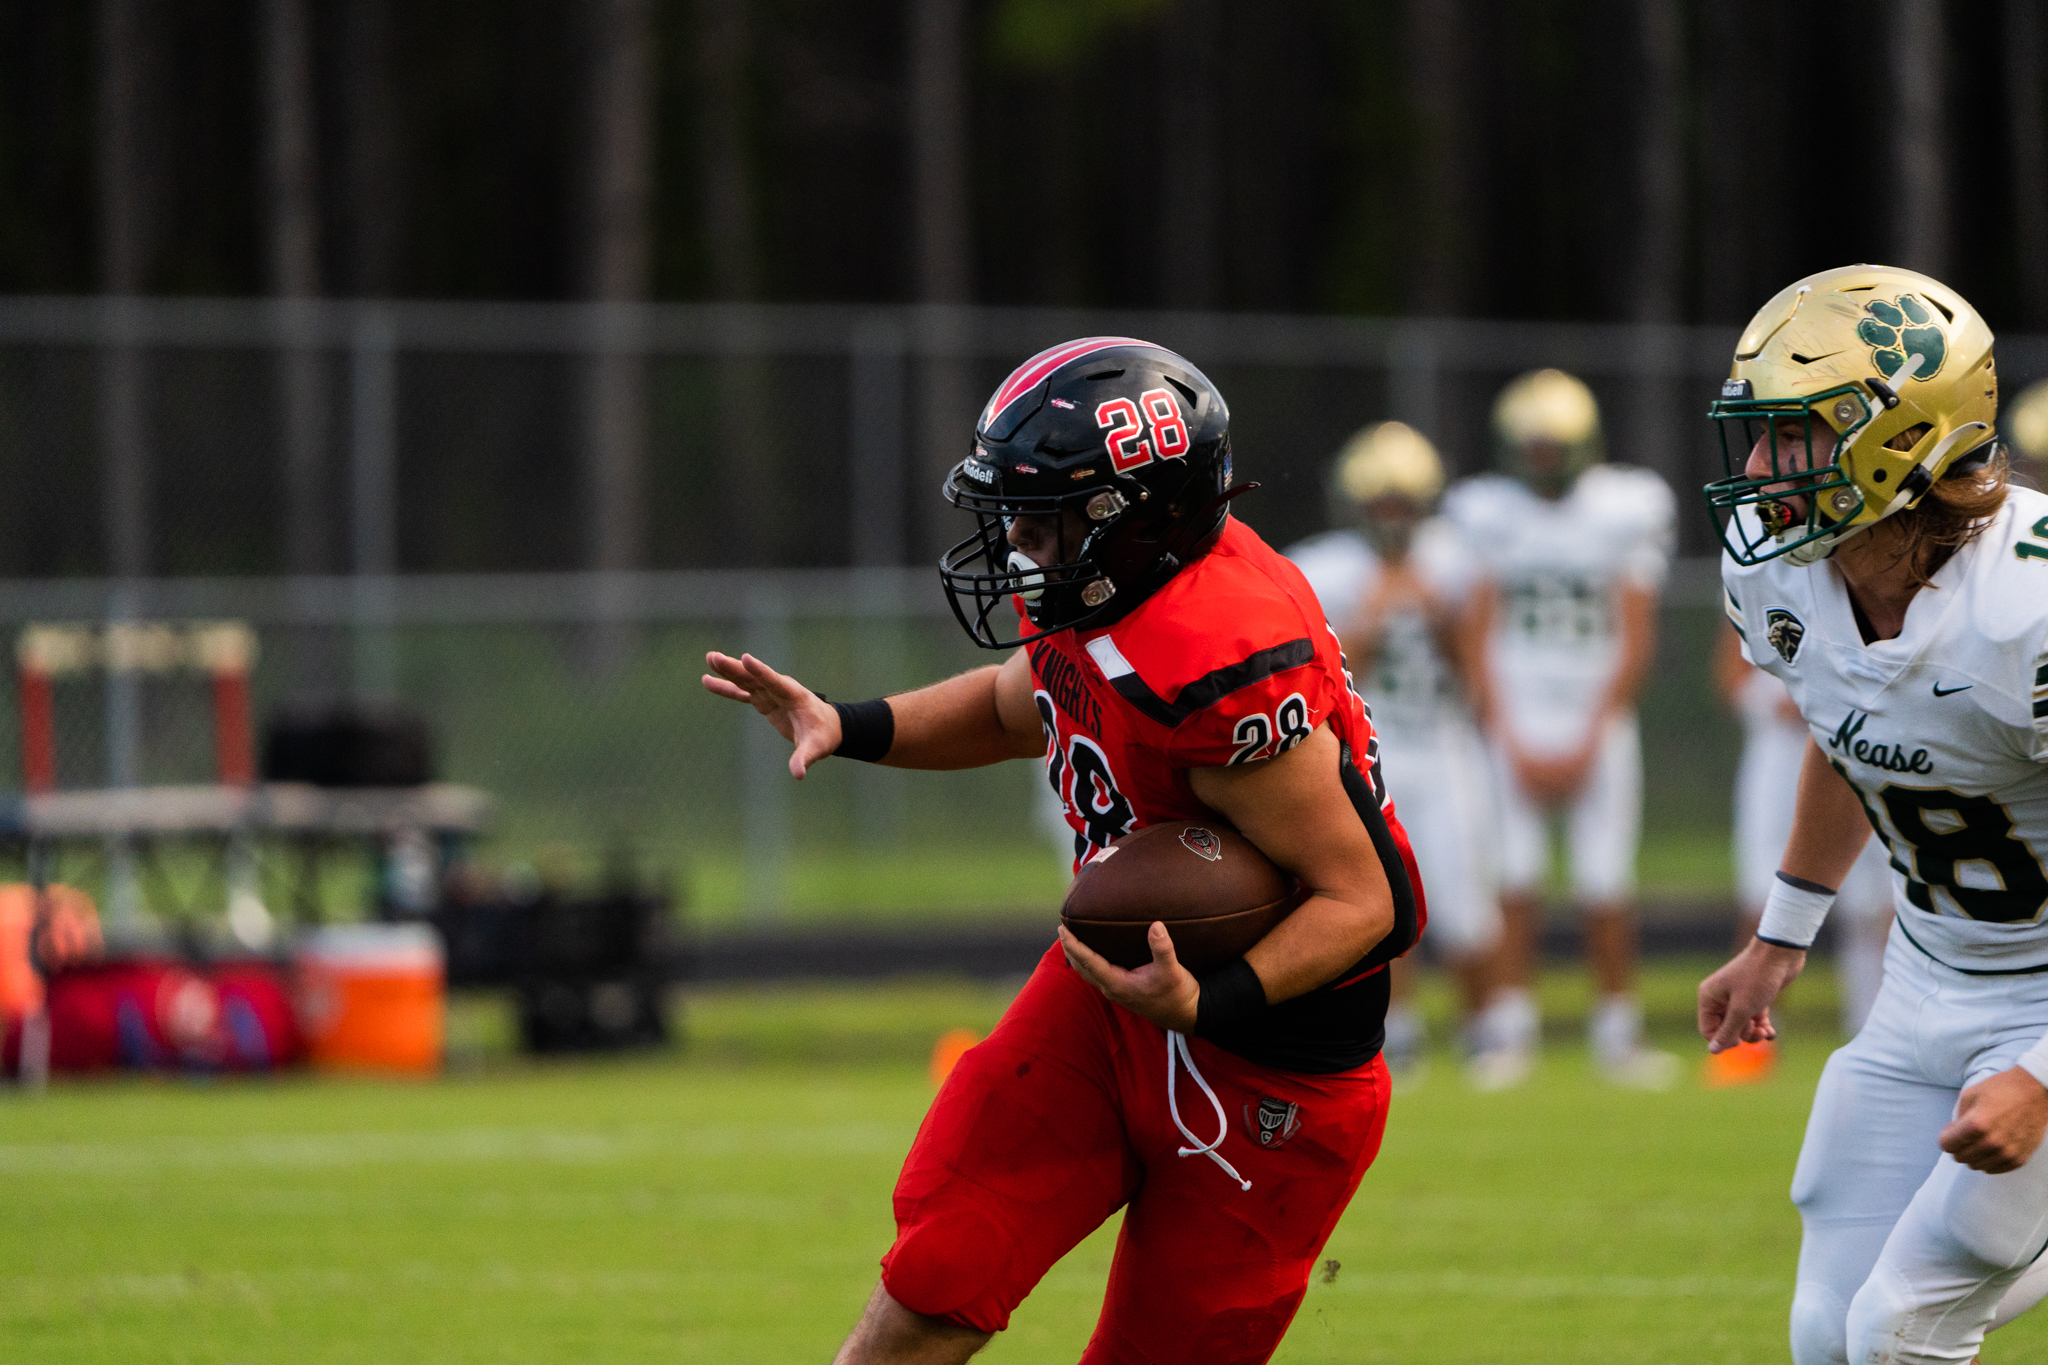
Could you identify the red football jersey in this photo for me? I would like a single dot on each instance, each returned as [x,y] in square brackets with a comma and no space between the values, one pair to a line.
[1231,661]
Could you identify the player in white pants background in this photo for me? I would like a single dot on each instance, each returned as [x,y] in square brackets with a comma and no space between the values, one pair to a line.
[1880,564]
[1766,789]
[1395,583]
[1575,551]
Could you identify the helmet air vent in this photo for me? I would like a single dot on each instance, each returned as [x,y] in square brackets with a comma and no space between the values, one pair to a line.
[1105,374]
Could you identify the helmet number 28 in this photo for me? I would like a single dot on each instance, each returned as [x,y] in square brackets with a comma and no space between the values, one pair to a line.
[1126,422]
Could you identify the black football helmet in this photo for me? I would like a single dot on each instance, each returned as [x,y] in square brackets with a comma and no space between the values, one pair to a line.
[1125,433]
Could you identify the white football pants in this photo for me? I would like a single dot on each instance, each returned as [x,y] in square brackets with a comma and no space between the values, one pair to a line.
[1601,823]
[1909,1256]
[1440,782]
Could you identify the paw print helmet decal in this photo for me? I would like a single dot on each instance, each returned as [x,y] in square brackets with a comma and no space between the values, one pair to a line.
[1899,328]
[1889,375]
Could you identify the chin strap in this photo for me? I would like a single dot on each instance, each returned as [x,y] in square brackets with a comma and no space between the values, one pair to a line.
[1224,499]
[1917,481]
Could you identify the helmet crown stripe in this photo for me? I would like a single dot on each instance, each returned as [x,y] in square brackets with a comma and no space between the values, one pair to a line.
[1028,375]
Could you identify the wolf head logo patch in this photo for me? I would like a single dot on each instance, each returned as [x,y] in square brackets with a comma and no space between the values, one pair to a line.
[1270,1121]
[1784,631]
[1202,843]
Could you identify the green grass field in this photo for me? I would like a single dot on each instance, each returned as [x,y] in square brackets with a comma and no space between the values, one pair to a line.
[727,1203]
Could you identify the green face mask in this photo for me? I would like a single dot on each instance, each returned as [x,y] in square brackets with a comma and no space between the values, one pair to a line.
[1806,495]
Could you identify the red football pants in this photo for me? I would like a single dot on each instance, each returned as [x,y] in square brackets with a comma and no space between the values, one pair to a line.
[1060,1118]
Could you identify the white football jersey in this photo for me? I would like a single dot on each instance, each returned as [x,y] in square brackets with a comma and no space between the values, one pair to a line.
[1556,639]
[1942,731]
[1412,689]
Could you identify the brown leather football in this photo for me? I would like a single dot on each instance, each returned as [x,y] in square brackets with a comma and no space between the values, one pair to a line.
[1216,893]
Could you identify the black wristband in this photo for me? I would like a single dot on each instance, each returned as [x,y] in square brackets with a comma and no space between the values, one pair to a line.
[866,729]
[1230,995]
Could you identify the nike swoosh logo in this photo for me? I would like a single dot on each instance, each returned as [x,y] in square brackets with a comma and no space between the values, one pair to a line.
[1941,691]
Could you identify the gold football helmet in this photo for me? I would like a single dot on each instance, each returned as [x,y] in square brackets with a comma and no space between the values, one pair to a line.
[2026,421]
[1889,373]
[1546,428]
[1389,457]
[1387,476]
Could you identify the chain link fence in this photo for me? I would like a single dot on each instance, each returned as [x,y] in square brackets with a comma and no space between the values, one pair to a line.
[407,502]
[585,762]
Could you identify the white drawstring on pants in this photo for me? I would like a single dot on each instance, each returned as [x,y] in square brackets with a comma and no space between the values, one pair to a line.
[1177,1054]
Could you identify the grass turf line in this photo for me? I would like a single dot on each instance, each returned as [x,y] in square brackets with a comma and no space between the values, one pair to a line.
[728,1204]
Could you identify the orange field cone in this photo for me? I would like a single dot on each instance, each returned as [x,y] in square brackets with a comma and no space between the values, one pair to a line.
[946,1053]
[1743,1064]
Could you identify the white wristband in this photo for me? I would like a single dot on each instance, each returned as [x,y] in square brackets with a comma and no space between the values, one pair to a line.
[1793,913]
[2034,1061]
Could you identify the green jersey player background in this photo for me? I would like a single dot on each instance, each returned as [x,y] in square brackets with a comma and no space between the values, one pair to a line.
[1881,564]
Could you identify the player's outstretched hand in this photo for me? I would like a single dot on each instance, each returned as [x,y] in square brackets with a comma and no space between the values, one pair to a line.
[798,714]
[1162,990]
[1998,1122]
[1735,1002]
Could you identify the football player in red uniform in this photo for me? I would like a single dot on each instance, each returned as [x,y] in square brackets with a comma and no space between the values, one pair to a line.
[1172,667]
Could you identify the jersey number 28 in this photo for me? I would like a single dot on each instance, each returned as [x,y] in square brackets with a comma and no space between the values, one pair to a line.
[1260,736]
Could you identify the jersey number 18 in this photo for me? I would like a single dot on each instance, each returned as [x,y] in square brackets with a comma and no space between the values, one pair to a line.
[1949,836]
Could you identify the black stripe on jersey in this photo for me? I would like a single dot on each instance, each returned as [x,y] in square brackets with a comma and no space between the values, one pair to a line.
[2041,708]
[1407,922]
[2041,676]
[1213,686]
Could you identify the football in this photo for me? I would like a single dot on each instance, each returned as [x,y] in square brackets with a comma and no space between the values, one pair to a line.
[1215,892]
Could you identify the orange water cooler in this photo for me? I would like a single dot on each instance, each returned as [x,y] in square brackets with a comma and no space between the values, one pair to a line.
[373,997]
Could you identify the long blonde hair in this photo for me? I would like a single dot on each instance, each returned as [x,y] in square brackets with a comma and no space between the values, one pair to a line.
[1954,512]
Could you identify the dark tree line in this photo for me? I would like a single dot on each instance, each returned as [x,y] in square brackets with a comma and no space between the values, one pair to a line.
[1593,159]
